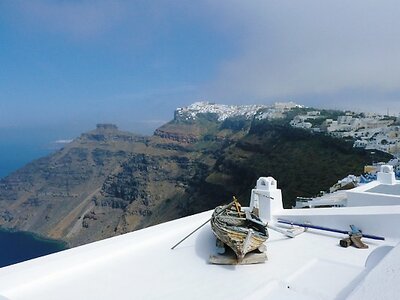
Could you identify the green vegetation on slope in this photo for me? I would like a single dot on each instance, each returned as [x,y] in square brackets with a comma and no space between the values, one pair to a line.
[303,163]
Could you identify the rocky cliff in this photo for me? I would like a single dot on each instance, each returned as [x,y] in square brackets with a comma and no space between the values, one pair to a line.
[108,182]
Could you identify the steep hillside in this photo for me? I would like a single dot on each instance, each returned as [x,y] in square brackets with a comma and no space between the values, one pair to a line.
[108,182]
[302,162]
[49,195]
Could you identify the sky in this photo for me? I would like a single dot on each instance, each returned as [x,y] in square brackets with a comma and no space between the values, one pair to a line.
[67,65]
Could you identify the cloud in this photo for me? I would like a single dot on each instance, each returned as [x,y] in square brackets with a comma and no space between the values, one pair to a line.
[333,52]
[290,49]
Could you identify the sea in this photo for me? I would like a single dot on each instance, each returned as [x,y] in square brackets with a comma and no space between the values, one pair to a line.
[16,246]
[17,148]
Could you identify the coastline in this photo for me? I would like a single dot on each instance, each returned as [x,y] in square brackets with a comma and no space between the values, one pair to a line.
[40,238]
[19,246]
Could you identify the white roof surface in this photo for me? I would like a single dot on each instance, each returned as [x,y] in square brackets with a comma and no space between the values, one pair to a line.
[141,265]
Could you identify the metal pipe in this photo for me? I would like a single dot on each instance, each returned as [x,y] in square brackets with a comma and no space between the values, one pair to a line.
[223,209]
[368,236]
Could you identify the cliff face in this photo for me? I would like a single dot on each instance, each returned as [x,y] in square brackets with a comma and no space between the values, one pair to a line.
[51,195]
[108,182]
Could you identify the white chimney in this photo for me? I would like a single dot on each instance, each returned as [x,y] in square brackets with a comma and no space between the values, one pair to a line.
[267,198]
[386,175]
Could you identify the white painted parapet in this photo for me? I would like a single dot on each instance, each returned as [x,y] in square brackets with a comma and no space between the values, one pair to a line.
[386,175]
[267,198]
[384,191]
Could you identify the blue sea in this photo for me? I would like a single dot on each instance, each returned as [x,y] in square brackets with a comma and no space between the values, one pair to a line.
[20,146]
[16,247]
[17,148]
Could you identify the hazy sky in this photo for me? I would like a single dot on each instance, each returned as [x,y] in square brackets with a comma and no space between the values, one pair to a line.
[72,64]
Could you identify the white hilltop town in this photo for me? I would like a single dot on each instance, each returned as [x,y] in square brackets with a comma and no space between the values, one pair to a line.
[228,111]
[368,130]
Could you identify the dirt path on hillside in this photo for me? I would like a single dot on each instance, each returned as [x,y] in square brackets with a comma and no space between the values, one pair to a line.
[58,231]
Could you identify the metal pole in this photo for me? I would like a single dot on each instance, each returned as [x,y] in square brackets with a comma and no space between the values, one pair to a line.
[369,236]
[202,225]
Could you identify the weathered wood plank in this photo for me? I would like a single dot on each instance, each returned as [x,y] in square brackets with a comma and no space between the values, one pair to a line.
[250,258]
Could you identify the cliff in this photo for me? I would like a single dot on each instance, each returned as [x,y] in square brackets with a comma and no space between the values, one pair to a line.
[107,182]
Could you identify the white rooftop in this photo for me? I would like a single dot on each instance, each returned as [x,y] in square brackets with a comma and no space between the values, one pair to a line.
[141,264]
